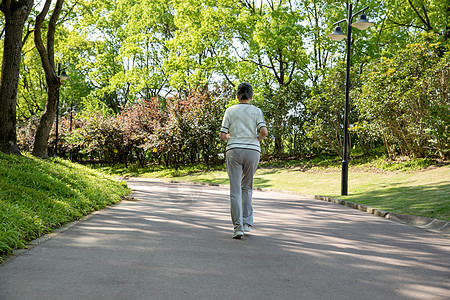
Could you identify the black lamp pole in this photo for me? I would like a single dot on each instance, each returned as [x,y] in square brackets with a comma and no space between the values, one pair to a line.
[344,177]
[337,35]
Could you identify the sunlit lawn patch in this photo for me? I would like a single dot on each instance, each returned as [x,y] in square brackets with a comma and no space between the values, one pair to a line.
[37,196]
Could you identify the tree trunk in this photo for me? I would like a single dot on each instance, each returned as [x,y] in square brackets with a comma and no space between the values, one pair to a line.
[16,13]
[40,148]
[278,149]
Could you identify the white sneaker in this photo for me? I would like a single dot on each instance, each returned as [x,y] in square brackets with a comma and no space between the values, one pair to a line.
[247,228]
[237,234]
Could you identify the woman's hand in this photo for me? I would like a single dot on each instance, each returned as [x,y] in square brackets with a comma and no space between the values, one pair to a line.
[224,136]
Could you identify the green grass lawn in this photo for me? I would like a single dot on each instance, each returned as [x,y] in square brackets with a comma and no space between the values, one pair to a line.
[422,193]
[408,187]
[38,196]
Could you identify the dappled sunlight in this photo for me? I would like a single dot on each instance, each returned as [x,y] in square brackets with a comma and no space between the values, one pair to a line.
[178,237]
[420,291]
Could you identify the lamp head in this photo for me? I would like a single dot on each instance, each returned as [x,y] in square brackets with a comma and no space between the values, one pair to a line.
[363,23]
[337,34]
[63,75]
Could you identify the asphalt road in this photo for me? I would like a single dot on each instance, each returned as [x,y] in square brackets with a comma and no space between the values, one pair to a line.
[174,242]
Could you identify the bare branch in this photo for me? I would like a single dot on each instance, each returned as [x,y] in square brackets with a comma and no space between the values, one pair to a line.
[291,74]
[407,25]
[420,17]
[274,69]
[426,17]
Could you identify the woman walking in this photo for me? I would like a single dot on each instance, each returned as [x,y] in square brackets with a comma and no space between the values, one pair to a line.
[243,127]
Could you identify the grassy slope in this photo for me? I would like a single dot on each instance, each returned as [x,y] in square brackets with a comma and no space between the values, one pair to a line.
[37,196]
[423,193]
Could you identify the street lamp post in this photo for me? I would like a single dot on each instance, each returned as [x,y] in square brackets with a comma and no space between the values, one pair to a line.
[62,76]
[337,35]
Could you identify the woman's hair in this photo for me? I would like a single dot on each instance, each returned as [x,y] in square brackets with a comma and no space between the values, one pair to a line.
[244,91]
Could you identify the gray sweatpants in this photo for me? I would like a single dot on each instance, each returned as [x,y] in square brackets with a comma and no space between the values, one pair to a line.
[241,166]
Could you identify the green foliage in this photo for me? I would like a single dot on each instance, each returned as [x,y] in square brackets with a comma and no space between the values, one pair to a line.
[192,128]
[38,196]
[404,101]
[285,115]
[32,90]
[414,16]
[127,42]
[325,106]
[402,165]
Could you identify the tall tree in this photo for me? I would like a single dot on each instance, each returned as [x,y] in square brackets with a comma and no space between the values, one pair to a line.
[127,50]
[256,41]
[149,25]
[275,41]
[16,13]
[53,82]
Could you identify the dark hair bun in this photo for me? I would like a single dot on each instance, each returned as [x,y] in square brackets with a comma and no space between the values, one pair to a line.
[244,91]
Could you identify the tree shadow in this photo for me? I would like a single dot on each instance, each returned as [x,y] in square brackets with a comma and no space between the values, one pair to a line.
[298,248]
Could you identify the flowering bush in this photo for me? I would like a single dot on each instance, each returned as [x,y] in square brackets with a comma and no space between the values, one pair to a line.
[175,131]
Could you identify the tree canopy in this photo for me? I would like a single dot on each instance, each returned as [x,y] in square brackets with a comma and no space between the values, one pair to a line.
[123,55]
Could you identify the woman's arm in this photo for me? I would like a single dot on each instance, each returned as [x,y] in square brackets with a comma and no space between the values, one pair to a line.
[262,133]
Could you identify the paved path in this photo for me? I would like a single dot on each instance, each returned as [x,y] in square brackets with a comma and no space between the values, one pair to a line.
[174,242]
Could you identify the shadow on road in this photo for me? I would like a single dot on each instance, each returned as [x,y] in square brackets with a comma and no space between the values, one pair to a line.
[174,242]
